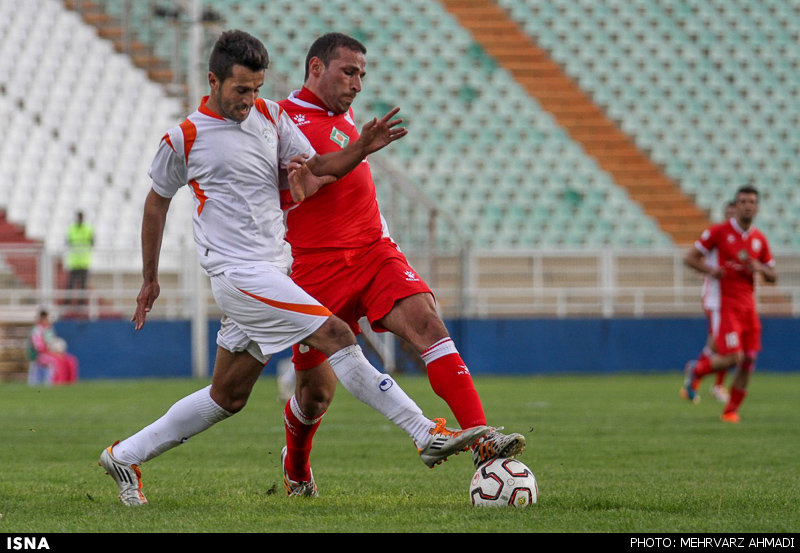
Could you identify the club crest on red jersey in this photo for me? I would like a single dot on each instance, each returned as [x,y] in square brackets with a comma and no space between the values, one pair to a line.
[339,137]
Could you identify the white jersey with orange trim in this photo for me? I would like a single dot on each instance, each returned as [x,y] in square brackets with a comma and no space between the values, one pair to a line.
[232,170]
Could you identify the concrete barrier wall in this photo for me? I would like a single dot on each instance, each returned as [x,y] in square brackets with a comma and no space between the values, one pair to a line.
[112,349]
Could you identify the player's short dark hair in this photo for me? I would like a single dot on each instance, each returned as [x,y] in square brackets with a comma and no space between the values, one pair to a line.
[747,189]
[237,48]
[325,46]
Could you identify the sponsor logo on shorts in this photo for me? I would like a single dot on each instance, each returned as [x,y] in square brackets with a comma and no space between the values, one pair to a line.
[385,384]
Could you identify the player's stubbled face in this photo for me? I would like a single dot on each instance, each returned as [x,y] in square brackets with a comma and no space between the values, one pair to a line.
[237,94]
[340,81]
[746,207]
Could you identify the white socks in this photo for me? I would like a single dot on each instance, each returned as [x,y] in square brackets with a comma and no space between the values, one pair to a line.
[443,347]
[187,417]
[198,412]
[380,392]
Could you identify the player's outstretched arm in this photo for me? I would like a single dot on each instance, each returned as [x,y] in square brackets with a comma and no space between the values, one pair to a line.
[153,221]
[375,135]
[379,133]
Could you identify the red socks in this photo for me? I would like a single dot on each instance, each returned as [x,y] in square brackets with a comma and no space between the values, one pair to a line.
[451,380]
[737,396]
[703,367]
[299,436]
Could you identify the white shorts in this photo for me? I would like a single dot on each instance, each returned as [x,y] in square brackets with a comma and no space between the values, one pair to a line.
[265,311]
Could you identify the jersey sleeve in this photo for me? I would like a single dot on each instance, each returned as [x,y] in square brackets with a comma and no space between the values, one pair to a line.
[284,193]
[707,240]
[293,142]
[766,253]
[168,170]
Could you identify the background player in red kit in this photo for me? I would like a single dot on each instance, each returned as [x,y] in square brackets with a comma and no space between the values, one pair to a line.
[732,253]
[343,255]
[711,307]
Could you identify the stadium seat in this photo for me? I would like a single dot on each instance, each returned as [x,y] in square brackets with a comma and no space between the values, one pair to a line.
[65,144]
[699,80]
[709,89]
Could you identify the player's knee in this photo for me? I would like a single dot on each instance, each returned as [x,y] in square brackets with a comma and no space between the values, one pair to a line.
[431,328]
[315,399]
[332,336]
[733,359]
[748,364]
[416,320]
[232,401]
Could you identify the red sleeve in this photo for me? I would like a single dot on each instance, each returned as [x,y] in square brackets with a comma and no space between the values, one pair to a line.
[708,239]
[766,252]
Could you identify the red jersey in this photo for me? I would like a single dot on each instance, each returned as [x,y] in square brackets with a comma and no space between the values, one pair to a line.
[345,213]
[728,246]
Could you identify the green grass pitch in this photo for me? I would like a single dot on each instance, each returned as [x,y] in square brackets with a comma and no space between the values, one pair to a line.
[612,454]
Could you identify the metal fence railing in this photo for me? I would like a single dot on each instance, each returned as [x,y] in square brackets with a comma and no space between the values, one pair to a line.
[605,283]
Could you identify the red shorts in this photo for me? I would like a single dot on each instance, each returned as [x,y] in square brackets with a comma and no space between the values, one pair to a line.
[736,329]
[354,284]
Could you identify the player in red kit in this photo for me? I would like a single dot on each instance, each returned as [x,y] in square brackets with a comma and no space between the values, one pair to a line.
[732,253]
[711,307]
[344,257]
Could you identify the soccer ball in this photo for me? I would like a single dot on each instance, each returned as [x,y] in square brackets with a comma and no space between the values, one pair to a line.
[503,482]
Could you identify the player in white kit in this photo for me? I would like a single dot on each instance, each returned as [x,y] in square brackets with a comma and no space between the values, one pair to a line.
[230,152]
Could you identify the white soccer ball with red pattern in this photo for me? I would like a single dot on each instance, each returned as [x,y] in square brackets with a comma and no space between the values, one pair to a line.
[503,483]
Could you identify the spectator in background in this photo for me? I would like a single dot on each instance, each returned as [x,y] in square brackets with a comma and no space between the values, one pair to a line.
[80,241]
[50,363]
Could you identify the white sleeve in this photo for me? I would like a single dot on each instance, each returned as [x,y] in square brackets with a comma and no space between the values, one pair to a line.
[168,170]
[293,142]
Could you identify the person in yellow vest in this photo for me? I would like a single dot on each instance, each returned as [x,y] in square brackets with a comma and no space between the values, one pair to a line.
[80,241]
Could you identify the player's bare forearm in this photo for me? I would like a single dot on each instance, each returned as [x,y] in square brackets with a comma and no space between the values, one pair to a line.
[375,135]
[767,271]
[153,221]
[695,259]
[338,164]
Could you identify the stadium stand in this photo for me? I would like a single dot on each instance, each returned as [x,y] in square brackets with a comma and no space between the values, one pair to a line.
[667,74]
[705,90]
[581,118]
[85,143]
[459,105]
[709,88]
